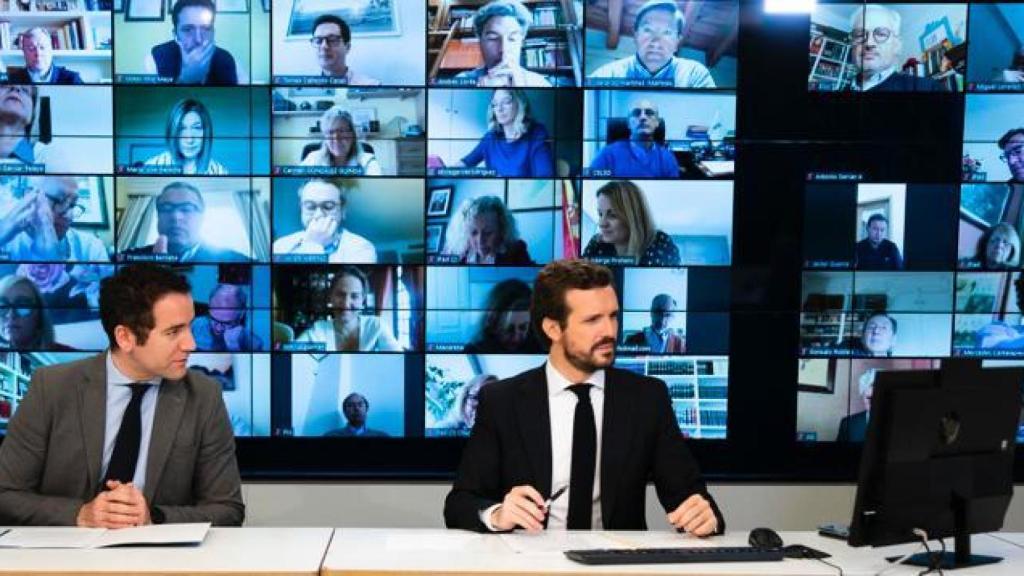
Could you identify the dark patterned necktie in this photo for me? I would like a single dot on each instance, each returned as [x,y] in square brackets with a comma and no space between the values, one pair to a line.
[129,437]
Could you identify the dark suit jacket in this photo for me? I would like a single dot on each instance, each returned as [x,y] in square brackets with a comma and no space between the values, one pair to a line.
[675,345]
[511,445]
[61,75]
[902,82]
[205,253]
[852,428]
[51,459]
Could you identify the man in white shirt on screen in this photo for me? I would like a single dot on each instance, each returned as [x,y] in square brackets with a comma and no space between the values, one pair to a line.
[324,207]
[658,33]
[332,40]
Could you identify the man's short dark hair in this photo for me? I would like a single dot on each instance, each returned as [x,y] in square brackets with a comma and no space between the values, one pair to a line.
[1005,139]
[665,5]
[127,298]
[184,186]
[553,281]
[876,217]
[353,396]
[353,271]
[346,32]
[182,4]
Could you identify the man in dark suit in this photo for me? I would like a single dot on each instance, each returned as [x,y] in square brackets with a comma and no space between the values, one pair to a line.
[876,49]
[355,407]
[853,427]
[37,48]
[129,437]
[577,422]
[179,219]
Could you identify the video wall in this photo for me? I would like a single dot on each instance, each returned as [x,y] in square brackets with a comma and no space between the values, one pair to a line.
[361,194]
[904,266]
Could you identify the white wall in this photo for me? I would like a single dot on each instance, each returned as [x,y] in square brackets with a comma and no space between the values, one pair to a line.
[420,505]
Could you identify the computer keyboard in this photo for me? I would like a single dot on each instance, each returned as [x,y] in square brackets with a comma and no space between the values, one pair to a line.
[675,555]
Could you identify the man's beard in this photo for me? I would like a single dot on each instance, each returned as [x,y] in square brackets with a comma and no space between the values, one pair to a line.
[585,362]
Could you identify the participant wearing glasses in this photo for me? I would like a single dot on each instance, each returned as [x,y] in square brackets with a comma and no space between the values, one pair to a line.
[193,57]
[877,48]
[342,147]
[324,207]
[37,48]
[515,144]
[38,226]
[24,321]
[501,27]
[644,154]
[179,219]
[17,113]
[223,328]
[1012,145]
[658,33]
[332,40]
[189,138]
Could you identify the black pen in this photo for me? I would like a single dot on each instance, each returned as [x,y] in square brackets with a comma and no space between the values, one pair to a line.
[553,497]
[4,532]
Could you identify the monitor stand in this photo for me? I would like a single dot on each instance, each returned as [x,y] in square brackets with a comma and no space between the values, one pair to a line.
[961,556]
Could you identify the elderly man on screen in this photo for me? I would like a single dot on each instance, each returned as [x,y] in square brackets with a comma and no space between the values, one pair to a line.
[37,48]
[501,27]
[324,208]
[38,225]
[877,47]
[658,33]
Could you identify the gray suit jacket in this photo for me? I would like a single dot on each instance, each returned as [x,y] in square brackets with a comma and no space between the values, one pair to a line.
[51,459]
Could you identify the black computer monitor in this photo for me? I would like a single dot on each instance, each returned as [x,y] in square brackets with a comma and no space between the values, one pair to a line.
[938,456]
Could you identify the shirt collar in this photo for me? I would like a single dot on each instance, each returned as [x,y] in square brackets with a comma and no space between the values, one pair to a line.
[877,79]
[23,151]
[118,378]
[557,383]
[190,254]
[42,78]
[663,71]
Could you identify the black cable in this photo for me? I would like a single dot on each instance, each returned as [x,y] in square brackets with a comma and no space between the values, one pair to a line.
[827,563]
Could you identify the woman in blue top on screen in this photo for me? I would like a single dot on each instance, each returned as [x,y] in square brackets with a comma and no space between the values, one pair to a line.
[644,154]
[515,144]
[341,147]
[189,137]
[483,231]
[626,228]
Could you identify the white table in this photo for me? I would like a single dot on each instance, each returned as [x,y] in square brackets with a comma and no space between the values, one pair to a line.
[264,551]
[378,552]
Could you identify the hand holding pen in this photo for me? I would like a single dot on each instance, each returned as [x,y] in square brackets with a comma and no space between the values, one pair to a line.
[525,508]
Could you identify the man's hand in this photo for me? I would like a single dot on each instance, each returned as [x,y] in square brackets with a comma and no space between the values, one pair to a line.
[18,218]
[44,234]
[503,74]
[235,337]
[160,246]
[320,231]
[523,506]
[195,63]
[695,516]
[120,506]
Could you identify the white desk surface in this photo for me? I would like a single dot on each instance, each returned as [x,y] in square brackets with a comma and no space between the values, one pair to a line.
[264,551]
[377,552]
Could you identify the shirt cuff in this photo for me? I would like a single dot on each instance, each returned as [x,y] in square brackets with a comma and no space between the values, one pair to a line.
[485,516]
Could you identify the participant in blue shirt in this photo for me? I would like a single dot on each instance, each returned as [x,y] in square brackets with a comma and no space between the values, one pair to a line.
[641,156]
[515,144]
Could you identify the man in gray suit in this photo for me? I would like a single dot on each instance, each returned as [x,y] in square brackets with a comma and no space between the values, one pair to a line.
[128,437]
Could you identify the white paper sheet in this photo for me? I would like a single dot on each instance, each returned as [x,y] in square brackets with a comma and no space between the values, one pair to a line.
[60,537]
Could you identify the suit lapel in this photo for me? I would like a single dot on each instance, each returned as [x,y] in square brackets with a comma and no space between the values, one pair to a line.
[170,406]
[615,438]
[535,423]
[92,414]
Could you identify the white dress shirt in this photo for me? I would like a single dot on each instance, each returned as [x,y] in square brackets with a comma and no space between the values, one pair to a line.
[562,410]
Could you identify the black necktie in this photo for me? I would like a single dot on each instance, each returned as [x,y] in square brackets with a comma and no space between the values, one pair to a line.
[584,458]
[129,437]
